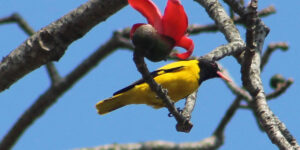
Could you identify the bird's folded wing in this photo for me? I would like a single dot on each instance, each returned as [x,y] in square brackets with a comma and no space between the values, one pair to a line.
[153,74]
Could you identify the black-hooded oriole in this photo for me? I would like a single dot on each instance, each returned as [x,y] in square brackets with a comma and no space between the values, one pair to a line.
[180,78]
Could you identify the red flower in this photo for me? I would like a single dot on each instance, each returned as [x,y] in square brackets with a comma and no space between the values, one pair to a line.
[172,24]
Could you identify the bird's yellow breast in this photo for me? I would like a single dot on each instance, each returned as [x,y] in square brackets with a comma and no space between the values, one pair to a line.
[179,83]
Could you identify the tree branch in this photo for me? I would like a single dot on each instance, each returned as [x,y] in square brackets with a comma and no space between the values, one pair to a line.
[256,33]
[52,72]
[51,42]
[196,29]
[16,18]
[212,142]
[222,20]
[280,90]
[50,96]
[269,51]
[227,117]
[189,105]
[236,89]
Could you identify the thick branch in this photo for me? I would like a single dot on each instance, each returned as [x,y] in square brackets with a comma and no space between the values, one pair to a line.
[51,42]
[256,33]
[16,18]
[49,97]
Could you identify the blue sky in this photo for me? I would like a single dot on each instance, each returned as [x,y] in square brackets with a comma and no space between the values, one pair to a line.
[73,122]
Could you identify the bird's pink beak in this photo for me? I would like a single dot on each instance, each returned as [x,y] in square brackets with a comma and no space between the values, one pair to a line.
[221,75]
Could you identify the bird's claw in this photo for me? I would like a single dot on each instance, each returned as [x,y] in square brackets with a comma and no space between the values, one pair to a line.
[179,111]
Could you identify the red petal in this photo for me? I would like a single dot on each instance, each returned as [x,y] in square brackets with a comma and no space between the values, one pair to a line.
[174,21]
[188,44]
[149,10]
[134,27]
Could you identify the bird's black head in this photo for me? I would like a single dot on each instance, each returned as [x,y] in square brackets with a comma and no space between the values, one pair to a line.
[210,69]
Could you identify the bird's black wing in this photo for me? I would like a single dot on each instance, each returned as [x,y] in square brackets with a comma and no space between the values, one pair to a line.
[153,74]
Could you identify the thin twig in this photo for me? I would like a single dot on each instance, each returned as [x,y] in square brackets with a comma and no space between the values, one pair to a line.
[227,117]
[16,18]
[278,91]
[52,72]
[270,49]
[237,90]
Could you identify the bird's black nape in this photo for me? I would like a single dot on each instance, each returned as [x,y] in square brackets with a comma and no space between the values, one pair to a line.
[208,69]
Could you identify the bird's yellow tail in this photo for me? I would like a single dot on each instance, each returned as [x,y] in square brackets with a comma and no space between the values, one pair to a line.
[110,104]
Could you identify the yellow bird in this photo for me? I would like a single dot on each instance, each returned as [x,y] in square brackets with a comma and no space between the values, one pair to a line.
[180,78]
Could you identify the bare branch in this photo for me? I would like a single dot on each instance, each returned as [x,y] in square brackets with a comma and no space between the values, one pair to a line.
[53,74]
[212,142]
[16,18]
[51,42]
[227,117]
[225,50]
[256,33]
[236,89]
[196,29]
[49,97]
[236,45]
[280,90]
[237,7]
[271,48]
[290,138]
[222,20]
[206,144]
[189,105]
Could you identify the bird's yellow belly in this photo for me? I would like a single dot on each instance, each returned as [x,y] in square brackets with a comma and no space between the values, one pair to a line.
[179,86]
